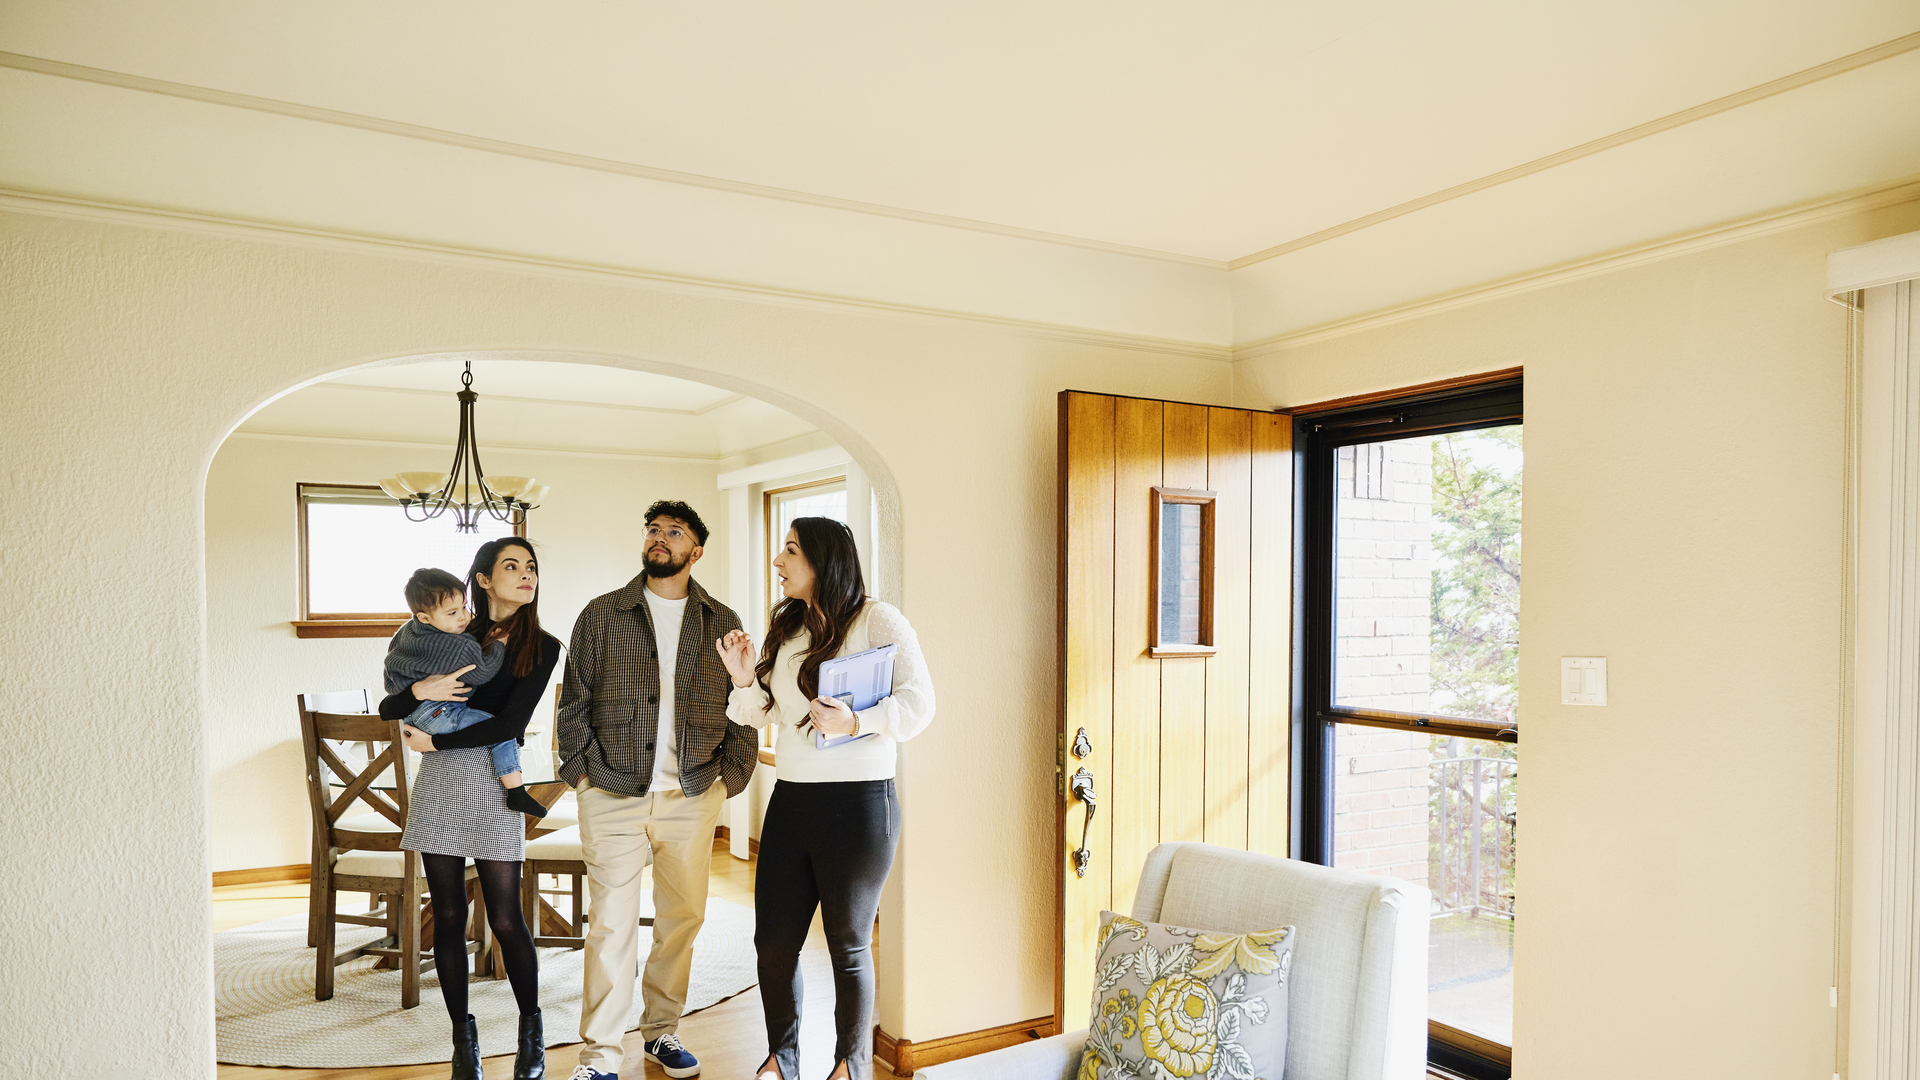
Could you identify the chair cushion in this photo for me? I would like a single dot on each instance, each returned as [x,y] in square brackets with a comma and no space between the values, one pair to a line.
[558,845]
[1169,1000]
[366,823]
[370,863]
[359,863]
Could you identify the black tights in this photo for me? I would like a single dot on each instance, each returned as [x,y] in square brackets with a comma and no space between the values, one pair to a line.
[500,887]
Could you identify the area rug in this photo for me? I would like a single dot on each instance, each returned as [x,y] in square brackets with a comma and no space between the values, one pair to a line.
[266,1015]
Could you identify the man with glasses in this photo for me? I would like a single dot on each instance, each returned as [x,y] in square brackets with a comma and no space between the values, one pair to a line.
[644,738]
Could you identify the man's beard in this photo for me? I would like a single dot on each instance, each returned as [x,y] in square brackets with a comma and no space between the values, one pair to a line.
[666,569]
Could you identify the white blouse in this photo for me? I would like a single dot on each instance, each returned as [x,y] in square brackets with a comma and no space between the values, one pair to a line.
[892,720]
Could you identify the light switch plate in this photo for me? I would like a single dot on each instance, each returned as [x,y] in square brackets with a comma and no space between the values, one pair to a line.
[1583,680]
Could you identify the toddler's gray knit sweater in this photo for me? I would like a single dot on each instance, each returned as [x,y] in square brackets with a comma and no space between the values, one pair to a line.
[420,651]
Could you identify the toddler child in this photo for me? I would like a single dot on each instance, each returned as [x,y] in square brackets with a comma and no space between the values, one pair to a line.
[434,642]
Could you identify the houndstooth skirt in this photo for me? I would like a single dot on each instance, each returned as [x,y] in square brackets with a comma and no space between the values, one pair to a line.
[459,808]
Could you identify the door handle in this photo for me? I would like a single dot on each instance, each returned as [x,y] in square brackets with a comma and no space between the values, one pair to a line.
[1081,786]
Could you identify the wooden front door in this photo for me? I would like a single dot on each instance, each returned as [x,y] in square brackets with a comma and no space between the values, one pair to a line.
[1191,743]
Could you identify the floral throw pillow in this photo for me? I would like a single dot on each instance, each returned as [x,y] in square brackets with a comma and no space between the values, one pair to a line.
[1174,1002]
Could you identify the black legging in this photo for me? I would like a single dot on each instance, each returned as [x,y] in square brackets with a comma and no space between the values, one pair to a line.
[500,886]
[827,846]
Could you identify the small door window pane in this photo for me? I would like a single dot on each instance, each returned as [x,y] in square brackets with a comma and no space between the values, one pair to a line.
[1180,573]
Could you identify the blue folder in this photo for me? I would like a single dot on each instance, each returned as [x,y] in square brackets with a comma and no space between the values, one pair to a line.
[860,680]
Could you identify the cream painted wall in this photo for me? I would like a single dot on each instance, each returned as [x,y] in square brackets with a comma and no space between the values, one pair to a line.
[128,354]
[1683,502]
[588,535]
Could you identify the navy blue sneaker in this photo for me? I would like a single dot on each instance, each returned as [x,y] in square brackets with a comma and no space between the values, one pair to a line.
[581,1072]
[672,1058]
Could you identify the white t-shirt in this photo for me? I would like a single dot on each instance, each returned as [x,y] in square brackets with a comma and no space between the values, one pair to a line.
[666,615]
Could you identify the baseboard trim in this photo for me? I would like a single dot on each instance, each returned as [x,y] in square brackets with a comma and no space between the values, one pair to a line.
[722,832]
[903,1056]
[264,875]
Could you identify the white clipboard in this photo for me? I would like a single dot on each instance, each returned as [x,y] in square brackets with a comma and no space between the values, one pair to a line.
[860,680]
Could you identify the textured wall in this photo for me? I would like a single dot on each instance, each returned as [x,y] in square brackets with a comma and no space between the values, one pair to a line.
[128,354]
[1684,454]
[588,532]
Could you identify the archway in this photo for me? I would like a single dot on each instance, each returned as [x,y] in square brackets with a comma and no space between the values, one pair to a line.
[265,779]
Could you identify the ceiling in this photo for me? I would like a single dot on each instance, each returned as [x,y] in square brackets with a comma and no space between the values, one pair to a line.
[1205,134]
[533,404]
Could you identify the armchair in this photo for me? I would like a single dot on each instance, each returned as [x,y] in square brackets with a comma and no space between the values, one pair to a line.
[1357,995]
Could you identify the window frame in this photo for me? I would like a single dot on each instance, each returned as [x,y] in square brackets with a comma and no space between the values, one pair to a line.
[342,624]
[1319,432]
[767,521]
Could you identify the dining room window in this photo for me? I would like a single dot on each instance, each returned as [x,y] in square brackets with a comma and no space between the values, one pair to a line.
[357,549]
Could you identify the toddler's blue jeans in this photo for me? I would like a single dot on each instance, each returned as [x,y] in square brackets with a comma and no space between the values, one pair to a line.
[447,717]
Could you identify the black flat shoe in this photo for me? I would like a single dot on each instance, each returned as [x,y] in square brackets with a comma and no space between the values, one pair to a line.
[466,1050]
[530,1056]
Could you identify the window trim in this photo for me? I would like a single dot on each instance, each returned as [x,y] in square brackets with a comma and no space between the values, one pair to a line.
[342,624]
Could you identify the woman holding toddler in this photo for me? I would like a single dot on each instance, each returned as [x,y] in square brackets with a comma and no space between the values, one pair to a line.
[460,808]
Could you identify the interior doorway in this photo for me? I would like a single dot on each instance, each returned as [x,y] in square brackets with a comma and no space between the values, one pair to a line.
[605,435]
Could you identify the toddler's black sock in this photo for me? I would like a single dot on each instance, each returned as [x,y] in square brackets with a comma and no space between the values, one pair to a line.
[518,798]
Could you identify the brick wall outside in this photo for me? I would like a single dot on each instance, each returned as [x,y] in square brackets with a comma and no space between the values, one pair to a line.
[1383,588]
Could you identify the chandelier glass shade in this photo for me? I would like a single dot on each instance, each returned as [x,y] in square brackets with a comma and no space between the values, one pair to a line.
[465,489]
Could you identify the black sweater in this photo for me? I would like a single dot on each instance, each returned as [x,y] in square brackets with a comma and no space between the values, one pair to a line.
[510,698]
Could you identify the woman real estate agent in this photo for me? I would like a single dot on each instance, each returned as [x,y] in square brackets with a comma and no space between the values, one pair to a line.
[833,821]
[459,811]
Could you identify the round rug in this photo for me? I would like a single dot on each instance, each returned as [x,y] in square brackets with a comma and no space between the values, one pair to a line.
[266,1015]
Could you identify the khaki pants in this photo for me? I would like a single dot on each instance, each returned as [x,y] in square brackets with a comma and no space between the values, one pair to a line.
[619,836]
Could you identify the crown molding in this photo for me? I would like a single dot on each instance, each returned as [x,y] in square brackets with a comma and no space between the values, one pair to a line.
[1893,194]
[505,448]
[104,77]
[1901,191]
[51,205]
[1850,62]
[568,403]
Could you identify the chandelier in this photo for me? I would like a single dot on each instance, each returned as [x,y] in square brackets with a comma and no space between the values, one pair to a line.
[464,489]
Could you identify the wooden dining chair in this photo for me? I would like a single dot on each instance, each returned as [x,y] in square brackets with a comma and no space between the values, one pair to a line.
[556,853]
[361,852]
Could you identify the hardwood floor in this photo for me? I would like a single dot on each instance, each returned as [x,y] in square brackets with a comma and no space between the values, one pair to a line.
[729,1038]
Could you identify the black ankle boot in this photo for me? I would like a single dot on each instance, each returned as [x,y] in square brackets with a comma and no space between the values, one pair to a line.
[466,1050]
[530,1059]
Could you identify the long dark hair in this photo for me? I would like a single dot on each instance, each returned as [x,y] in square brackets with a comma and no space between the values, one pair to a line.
[839,592]
[522,628]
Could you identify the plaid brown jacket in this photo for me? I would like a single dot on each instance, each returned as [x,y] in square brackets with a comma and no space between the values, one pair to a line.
[610,698]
